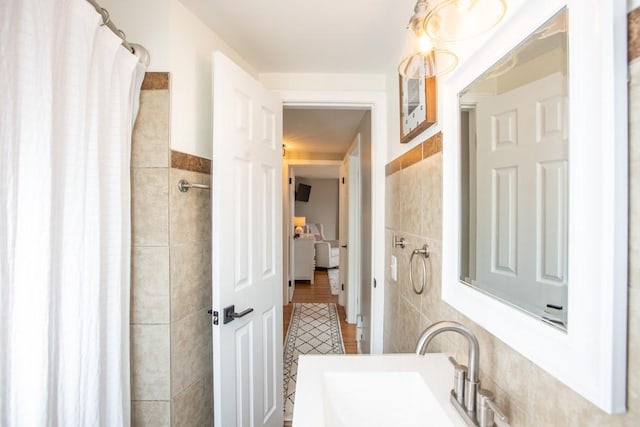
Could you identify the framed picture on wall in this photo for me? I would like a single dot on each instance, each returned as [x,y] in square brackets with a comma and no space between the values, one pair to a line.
[417,106]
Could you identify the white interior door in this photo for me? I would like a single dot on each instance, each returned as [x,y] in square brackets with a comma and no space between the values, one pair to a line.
[354,187]
[291,241]
[247,249]
[522,145]
[343,218]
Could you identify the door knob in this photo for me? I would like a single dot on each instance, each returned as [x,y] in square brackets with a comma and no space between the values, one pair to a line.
[344,246]
[230,314]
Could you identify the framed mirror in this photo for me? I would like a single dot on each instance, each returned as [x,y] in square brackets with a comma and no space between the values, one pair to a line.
[514,168]
[535,191]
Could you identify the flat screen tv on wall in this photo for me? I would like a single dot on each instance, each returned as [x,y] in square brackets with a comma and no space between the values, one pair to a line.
[302,195]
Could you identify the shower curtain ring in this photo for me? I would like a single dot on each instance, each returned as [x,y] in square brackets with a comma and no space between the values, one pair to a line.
[105,16]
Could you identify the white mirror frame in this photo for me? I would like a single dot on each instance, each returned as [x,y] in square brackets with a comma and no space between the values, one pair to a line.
[591,356]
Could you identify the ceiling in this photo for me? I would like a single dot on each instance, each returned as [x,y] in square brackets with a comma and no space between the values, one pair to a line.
[295,36]
[317,171]
[319,130]
[313,130]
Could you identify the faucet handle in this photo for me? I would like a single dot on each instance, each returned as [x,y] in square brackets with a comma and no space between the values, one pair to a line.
[487,408]
[459,377]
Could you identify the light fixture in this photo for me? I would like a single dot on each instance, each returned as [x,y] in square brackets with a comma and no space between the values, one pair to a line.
[447,21]
[457,20]
[420,57]
[298,223]
[427,63]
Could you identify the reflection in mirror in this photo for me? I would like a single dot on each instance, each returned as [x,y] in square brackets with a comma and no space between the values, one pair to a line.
[514,183]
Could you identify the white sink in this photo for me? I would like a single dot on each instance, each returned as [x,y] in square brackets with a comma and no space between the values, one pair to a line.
[380,399]
[382,390]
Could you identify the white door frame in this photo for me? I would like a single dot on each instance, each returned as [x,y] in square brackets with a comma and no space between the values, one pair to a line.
[377,103]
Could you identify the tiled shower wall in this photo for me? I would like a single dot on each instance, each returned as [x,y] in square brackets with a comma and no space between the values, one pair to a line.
[529,395]
[171,351]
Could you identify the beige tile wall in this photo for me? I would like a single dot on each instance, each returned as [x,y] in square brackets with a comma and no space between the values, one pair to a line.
[529,395]
[190,273]
[150,255]
[171,351]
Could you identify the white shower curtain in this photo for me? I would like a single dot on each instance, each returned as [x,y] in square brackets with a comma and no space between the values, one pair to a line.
[67,90]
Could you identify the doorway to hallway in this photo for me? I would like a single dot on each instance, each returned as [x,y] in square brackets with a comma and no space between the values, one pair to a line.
[373,222]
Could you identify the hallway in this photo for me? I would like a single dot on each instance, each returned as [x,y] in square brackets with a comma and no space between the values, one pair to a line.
[320,291]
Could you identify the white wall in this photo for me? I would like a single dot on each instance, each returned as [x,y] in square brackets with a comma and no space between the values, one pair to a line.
[191,45]
[145,22]
[324,82]
[632,4]
[180,43]
[322,206]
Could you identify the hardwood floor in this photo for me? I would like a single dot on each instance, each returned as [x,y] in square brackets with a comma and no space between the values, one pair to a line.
[320,291]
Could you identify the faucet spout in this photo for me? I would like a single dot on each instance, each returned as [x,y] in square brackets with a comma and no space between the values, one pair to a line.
[473,381]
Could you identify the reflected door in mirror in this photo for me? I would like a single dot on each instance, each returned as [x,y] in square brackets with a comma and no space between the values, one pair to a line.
[515,177]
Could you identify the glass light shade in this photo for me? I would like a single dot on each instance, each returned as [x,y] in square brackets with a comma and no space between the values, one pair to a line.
[421,58]
[456,20]
[434,62]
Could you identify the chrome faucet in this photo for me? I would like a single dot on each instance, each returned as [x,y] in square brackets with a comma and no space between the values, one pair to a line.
[472,383]
[466,387]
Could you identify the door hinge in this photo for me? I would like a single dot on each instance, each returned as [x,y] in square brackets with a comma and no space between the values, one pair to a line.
[290,180]
[343,286]
[289,283]
[343,179]
[374,282]
[214,316]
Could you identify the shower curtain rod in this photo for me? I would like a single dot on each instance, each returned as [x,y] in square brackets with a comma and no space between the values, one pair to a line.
[107,21]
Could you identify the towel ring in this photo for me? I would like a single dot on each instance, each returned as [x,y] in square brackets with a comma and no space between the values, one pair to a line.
[425,254]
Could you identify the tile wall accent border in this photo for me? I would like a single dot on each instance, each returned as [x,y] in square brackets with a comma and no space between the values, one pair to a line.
[393,166]
[189,162]
[411,157]
[432,146]
[155,81]
[633,29]
[428,148]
